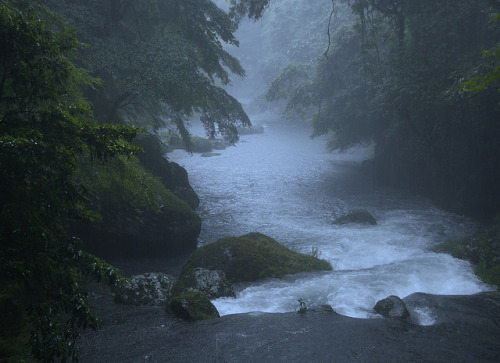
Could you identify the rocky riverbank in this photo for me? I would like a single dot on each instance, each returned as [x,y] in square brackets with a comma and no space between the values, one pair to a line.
[466,329]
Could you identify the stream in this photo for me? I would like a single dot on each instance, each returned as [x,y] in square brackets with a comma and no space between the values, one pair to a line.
[286,185]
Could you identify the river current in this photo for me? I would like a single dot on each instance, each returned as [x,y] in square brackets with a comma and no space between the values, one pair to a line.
[286,185]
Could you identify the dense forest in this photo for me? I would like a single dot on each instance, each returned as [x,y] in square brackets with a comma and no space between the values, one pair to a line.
[419,81]
[87,85]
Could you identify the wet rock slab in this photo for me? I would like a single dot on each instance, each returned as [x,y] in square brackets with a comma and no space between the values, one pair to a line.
[466,329]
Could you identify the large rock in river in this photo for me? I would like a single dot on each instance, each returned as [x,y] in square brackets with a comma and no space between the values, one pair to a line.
[171,231]
[356,216]
[254,129]
[251,257]
[172,175]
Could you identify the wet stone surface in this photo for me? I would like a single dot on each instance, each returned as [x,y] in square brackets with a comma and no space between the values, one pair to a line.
[466,329]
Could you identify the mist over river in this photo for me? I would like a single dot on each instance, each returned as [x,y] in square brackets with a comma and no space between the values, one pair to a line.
[286,185]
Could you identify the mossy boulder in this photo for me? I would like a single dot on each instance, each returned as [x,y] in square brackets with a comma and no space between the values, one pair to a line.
[392,307]
[149,289]
[140,216]
[252,257]
[172,175]
[193,306]
[213,284]
[356,216]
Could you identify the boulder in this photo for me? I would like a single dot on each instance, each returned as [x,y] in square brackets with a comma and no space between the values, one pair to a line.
[201,145]
[129,233]
[213,284]
[208,155]
[149,289]
[252,257]
[392,307]
[254,129]
[193,306]
[357,216]
[172,175]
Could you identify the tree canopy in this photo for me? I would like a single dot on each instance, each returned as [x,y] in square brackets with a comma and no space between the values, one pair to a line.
[404,76]
[161,62]
[64,104]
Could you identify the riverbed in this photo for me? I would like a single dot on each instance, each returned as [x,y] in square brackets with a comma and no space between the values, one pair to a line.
[286,185]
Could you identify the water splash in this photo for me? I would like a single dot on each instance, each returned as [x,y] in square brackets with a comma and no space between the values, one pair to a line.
[283,184]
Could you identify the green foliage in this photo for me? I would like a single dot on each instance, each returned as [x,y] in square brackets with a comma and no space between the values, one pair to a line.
[394,77]
[121,183]
[251,8]
[45,123]
[193,306]
[482,250]
[139,216]
[161,61]
[251,257]
[487,73]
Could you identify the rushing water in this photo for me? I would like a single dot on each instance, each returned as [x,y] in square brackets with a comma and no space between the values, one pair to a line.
[284,184]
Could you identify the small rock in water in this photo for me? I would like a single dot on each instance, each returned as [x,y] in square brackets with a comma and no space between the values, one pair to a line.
[392,307]
[212,283]
[357,216]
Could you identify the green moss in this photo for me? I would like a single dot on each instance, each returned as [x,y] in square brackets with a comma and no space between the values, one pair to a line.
[139,215]
[251,257]
[482,250]
[193,306]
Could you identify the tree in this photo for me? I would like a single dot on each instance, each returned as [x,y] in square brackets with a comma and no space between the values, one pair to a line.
[394,78]
[45,124]
[161,61]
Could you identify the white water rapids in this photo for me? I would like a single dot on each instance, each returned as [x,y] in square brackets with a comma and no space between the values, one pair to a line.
[286,185]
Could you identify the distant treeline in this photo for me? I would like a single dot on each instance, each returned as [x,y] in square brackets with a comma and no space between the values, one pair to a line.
[420,81]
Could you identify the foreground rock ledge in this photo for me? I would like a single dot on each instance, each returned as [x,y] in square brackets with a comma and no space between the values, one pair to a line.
[467,330]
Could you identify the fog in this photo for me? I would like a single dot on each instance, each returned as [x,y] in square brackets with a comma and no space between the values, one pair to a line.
[286,185]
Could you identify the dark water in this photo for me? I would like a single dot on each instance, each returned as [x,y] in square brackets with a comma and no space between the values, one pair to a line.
[284,184]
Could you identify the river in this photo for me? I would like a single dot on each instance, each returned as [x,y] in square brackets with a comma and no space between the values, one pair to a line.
[286,185]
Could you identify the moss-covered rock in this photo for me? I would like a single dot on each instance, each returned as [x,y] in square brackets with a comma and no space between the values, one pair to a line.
[213,284]
[149,289]
[140,217]
[357,216]
[193,306]
[482,250]
[172,175]
[251,257]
